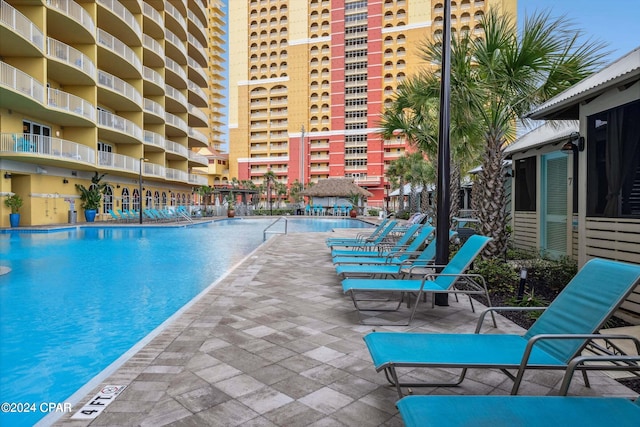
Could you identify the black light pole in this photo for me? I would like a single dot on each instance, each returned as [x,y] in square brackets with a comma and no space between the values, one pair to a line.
[444,154]
[142,159]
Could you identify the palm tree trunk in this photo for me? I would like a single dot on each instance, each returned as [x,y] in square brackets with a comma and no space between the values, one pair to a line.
[454,206]
[489,198]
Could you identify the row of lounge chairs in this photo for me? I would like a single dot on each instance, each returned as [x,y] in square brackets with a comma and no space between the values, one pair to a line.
[556,341]
[149,214]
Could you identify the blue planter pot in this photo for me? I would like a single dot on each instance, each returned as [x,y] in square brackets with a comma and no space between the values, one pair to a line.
[90,215]
[14,219]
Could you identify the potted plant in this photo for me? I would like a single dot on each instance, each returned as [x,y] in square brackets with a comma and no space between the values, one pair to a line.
[354,198]
[92,196]
[231,211]
[14,202]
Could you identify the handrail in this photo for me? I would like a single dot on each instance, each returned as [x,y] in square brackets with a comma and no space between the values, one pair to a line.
[264,232]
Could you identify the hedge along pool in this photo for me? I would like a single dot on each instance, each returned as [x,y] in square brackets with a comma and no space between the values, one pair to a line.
[78,299]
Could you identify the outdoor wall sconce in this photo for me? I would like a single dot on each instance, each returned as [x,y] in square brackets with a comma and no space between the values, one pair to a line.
[65,181]
[574,144]
[7,175]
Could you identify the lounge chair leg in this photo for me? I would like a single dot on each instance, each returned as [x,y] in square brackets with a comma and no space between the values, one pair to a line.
[586,379]
[392,378]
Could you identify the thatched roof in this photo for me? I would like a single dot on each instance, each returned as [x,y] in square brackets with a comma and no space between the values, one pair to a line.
[335,187]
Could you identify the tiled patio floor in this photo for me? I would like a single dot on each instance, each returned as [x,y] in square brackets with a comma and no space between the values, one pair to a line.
[276,343]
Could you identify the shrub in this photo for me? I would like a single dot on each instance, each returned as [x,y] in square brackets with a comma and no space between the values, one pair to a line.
[374,212]
[501,278]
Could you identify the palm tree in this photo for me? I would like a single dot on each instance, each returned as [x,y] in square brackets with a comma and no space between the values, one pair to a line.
[397,172]
[497,79]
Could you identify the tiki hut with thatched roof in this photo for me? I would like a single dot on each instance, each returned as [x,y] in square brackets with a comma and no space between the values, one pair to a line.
[332,192]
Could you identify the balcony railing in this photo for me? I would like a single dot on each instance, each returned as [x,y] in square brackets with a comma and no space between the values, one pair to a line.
[176,68]
[153,76]
[71,56]
[153,169]
[197,112]
[193,156]
[152,138]
[20,24]
[118,161]
[153,107]
[151,44]
[169,36]
[119,48]
[116,84]
[196,20]
[197,90]
[172,92]
[176,175]
[153,14]
[176,121]
[71,103]
[120,124]
[45,146]
[20,81]
[174,147]
[198,135]
[168,7]
[74,11]
[197,179]
[118,9]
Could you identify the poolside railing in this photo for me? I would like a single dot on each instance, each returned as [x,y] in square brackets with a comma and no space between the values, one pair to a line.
[266,230]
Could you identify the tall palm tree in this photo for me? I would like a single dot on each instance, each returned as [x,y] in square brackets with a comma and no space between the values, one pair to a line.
[496,79]
[397,173]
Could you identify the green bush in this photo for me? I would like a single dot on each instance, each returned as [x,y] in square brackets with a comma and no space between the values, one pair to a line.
[374,212]
[501,278]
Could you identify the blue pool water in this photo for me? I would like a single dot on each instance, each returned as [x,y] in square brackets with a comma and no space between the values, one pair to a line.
[77,299]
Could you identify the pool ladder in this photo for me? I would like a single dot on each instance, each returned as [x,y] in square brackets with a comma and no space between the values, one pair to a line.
[266,230]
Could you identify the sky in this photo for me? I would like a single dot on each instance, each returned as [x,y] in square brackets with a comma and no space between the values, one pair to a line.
[614,22]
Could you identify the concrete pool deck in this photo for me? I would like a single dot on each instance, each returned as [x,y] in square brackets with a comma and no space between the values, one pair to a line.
[276,343]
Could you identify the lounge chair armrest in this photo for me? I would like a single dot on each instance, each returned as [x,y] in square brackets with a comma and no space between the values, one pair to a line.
[495,309]
[621,363]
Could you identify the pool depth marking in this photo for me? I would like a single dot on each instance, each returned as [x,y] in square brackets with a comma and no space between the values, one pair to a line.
[99,402]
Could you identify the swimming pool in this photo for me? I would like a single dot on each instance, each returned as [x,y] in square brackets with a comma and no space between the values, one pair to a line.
[77,299]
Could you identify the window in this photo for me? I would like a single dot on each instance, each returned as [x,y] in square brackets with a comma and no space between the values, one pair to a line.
[107,200]
[613,162]
[136,200]
[525,184]
[125,199]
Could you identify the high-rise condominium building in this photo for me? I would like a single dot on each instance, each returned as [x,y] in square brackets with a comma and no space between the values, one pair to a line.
[126,88]
[308,81]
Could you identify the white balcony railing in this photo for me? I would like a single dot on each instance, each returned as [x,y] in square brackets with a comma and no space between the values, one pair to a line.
[168,7]
[176,121]
[174,93]
[20,24]
[20,81]
[119,10]
[120,124]
[74,11]
[153,107]
[192,16]
[197,179]
[153,14]
[172,38]
[71,56]
[151,44]
[152,138]
[116,46]
[194,111]
[116,84]
[152,76]
[153,169]
[193,156]
[176,175]
[174,147]
[45,146]
[197,90]
[118,161]
[71,103]
[198,135]
[176,68]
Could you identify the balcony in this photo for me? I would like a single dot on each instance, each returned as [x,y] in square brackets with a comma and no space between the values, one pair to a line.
[174,47]
[197,51]
[153,141]
[70,104]
[196,118]
[195,26]
[117,18]
[196,73]
[176,175]
[117,56]
[153,22]
[118,162]
[197,139]
[68,65]
[197,158]
[153,53]
[198,179]
[153,83]
[71,19]
[153,169]
[179,151]
[20,36]
[175,21]
[118,129]
[175,126]
[175,101]
[175,75]
[28,89]
[197,96]
[44,147]
[153,112]
[116,93]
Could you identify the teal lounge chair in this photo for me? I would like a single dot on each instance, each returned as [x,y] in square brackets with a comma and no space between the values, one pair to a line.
[360,236]
[385,247]
[367,243]
[520,411]
[399,253]
[557,337]
[452,279]
[394,267]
